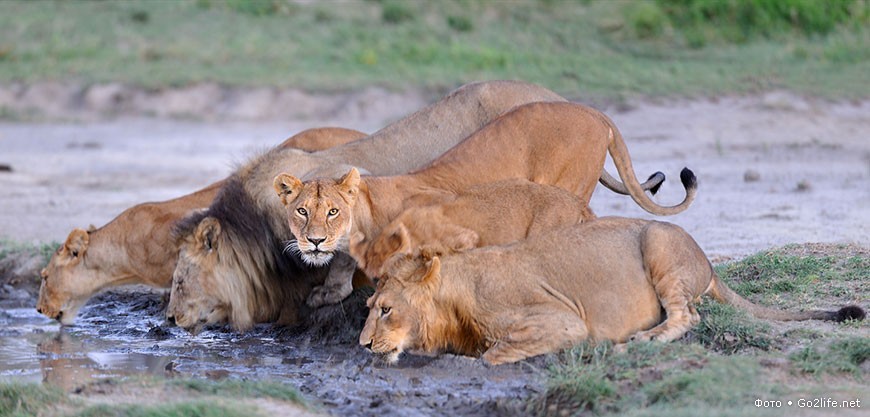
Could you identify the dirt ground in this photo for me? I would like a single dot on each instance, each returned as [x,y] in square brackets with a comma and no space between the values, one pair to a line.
[772,169]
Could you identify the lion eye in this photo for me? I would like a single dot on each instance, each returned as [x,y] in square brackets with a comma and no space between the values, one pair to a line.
[333,211]
[302,211]
[385,310]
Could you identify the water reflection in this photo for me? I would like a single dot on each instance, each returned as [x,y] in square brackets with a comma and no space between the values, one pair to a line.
[69,361]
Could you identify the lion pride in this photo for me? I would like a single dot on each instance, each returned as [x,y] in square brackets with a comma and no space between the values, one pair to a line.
[234,250]
[607,279]
[135,247]
[484,215]
[557,143]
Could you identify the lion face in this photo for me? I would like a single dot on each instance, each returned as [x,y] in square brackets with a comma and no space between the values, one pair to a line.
[401,311]
[67,280]
[195,301]
[320,214]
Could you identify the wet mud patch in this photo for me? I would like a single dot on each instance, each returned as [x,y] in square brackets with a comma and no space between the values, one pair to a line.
[122,333]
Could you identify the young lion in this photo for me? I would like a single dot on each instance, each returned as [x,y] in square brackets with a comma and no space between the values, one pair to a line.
[607,279]
[555,143]
[483,215]
[135,247]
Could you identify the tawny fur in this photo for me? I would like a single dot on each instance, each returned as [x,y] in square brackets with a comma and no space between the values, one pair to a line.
[557,143]
[607,279]
[398,148]
[484,215]
[136,247]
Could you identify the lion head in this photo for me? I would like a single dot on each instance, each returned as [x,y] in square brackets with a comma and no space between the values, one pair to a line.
[401,311]
[68,280]
[195,299]
[320,214]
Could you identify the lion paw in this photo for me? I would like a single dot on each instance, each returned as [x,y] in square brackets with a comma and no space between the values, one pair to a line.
[324,295]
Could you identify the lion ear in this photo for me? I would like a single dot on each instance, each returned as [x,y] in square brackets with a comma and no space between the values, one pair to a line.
[77,242]
[399,242]
[286,186]
[207,232]
[349,183]
[92,228]
[433,275]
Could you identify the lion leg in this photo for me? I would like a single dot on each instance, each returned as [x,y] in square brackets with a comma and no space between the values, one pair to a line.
[681,314]
[338,284]
[537,335]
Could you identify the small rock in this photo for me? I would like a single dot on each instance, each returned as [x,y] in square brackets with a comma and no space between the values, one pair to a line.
[804,186]
[751,175]
[5,168]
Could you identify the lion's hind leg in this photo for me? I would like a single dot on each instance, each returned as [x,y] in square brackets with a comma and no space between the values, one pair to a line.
[680,312]
[537,334]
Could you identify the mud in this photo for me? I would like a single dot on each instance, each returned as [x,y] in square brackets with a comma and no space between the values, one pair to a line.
[121,333]
[772,170]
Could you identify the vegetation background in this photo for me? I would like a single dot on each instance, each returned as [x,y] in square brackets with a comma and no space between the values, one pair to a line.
[611,49]
[600,50]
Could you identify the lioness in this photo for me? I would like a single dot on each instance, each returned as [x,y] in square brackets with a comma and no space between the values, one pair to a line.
[560,144]
[135,247]
[483,215]
[235,248]
[607,279]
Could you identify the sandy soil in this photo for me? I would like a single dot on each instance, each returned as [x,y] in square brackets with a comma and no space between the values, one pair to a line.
[772,169]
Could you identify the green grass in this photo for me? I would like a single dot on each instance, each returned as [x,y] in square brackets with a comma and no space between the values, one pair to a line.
[726,329]
[583,49]
[45,250]
[24,400]
[184,409]
[197,398]
[771,276]
[235,388]
[841,356]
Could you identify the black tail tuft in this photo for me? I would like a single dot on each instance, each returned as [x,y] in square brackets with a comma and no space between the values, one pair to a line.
[852,312]
[656,187]
[687,177]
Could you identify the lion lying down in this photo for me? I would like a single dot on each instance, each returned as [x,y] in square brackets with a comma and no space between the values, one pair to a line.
[608,279]
[484,215]
[135,247]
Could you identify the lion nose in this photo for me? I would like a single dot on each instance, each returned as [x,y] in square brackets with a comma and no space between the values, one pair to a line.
[316,241]
[369,345]
[39,310]
[171,320]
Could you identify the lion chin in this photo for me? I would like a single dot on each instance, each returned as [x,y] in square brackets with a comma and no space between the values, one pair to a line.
[317,257]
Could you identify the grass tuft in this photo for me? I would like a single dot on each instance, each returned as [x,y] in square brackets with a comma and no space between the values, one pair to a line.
[236,388]
[726,329]
[842,356]
[24,400]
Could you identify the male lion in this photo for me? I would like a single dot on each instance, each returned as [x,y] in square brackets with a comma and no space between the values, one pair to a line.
[607,279]
[135,247]
[483,215]
[234,250]
[556,143]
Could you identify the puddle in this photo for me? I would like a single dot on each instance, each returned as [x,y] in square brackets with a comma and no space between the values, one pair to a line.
[122,334]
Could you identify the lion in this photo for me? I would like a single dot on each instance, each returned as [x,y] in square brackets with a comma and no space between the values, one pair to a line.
[235,249]
[555,143]
[608,279]
[135,247]
[483,215]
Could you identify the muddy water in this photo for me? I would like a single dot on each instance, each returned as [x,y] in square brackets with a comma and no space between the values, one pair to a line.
[121,334]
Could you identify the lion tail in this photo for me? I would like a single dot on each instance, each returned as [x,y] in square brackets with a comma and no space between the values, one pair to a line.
[622,160]
[721,293]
